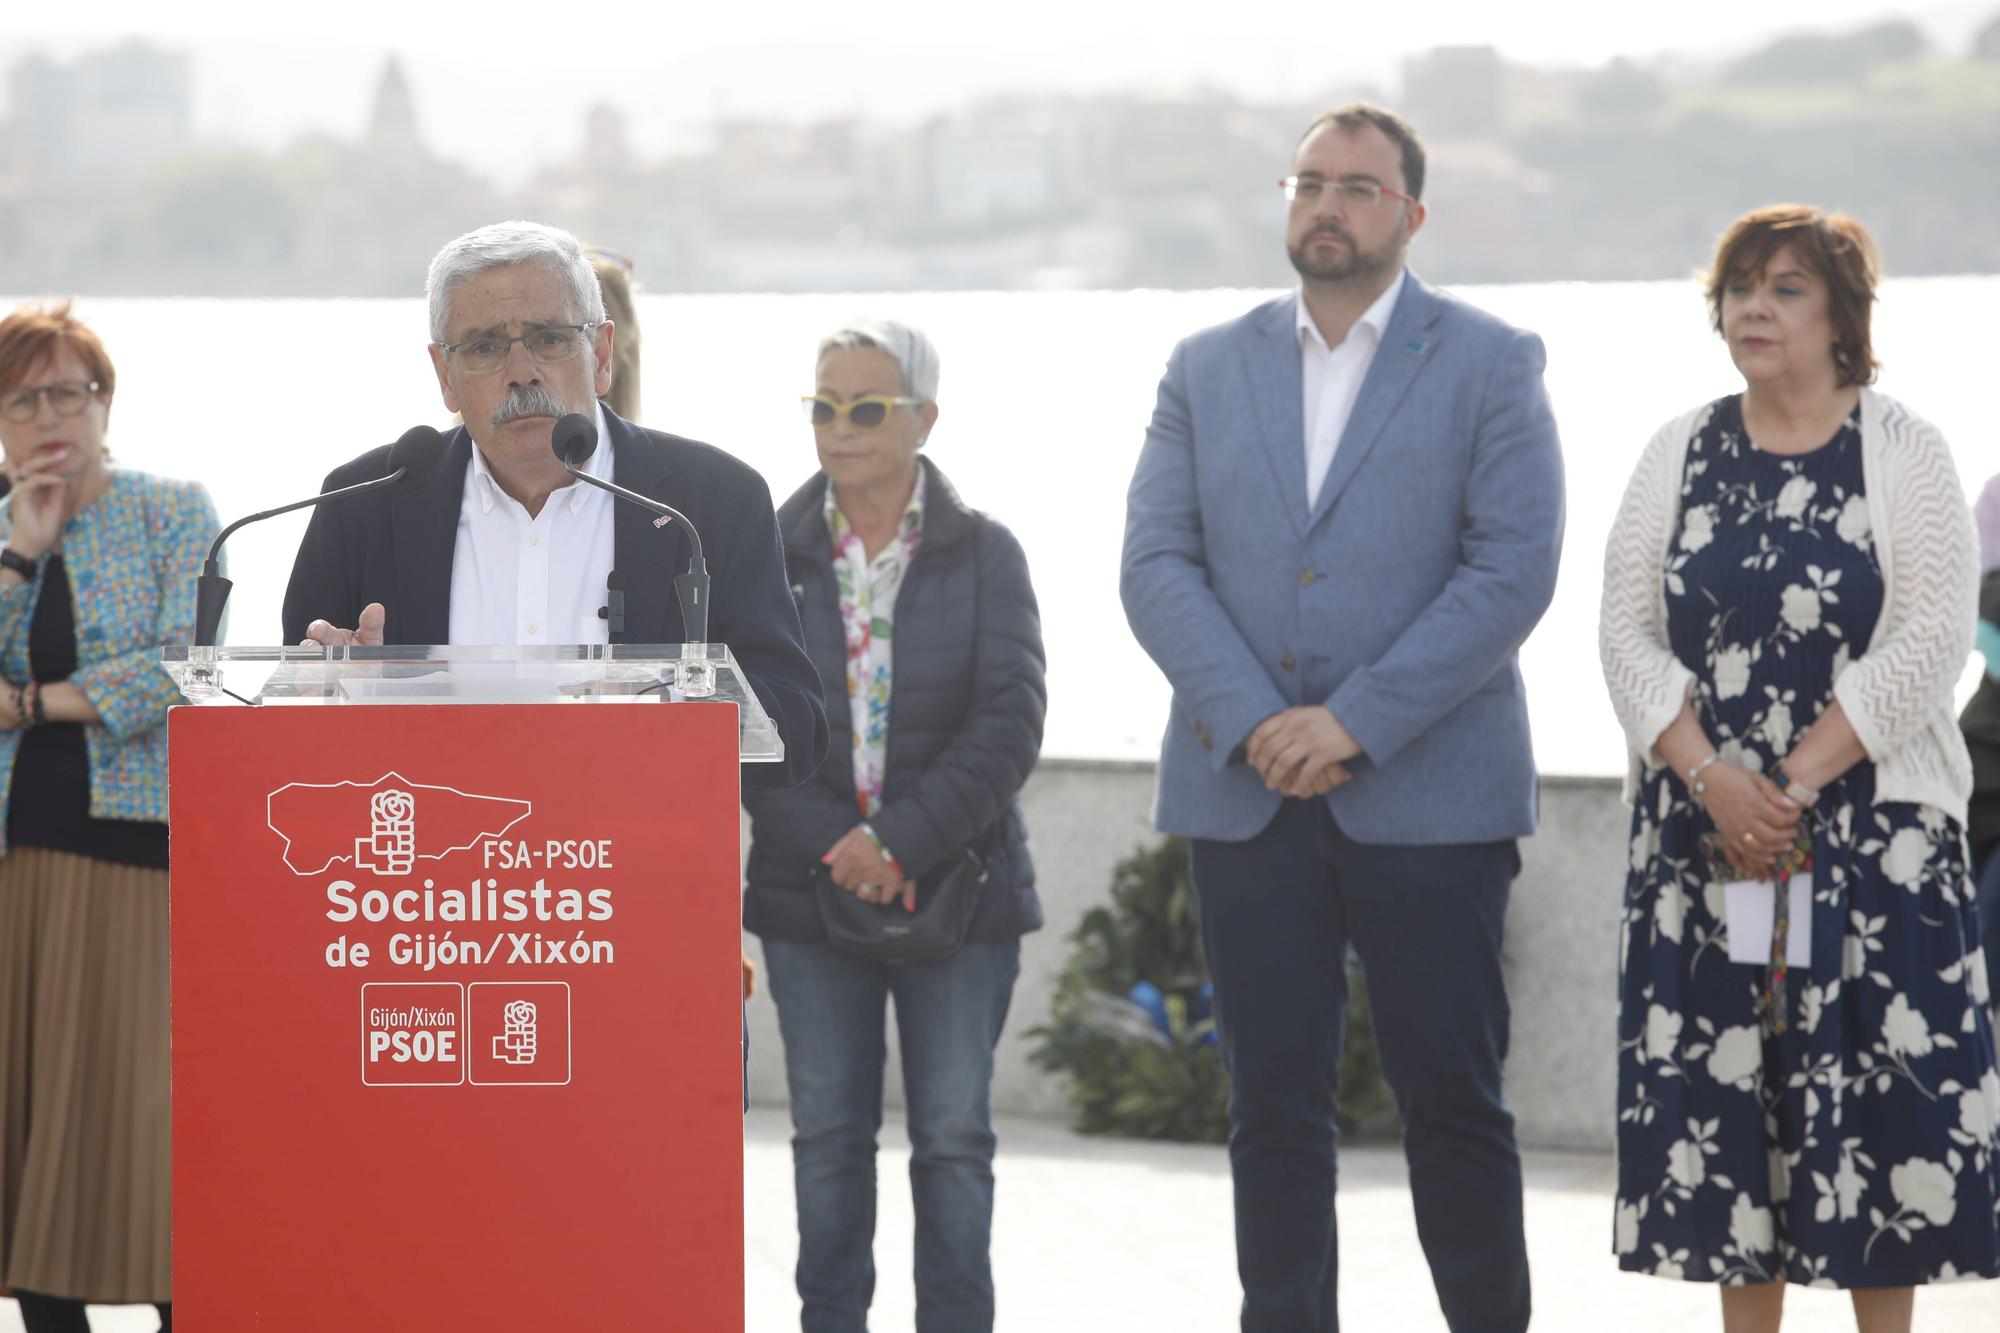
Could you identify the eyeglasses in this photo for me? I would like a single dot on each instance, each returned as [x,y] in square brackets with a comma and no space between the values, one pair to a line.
[67,398]
[1359,193]
[484,353]
[866,412]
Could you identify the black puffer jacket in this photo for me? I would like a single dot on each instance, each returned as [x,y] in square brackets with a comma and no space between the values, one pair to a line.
[965,719]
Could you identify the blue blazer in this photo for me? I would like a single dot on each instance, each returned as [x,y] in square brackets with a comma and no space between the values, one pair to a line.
[1399,601]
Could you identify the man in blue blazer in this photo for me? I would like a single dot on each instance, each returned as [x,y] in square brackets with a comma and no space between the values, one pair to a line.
[1345,520]
[499,544]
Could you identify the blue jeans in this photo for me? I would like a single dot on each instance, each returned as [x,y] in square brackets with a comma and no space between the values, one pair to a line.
[1278,913]
[948,1020]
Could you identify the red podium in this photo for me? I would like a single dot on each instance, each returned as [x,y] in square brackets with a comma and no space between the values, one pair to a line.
[455,987]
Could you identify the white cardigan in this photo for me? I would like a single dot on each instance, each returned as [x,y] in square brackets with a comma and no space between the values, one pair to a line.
[1897,695]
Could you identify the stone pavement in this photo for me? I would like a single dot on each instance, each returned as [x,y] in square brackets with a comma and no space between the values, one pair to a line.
[1101,1234]
[1098,1234]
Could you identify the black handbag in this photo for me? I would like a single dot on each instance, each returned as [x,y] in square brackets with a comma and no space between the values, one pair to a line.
[947,899]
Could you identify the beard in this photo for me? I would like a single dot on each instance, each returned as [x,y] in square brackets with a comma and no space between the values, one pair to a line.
[1351,265]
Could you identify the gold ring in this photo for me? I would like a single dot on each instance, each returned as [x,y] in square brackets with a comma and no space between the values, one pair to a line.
[1749,837]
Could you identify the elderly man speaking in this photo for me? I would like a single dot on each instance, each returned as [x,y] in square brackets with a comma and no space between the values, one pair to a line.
[500,545]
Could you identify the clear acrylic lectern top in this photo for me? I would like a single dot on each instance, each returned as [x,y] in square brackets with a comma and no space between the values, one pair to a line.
[594,673]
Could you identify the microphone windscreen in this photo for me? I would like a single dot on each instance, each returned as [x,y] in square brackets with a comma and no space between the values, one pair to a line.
[574,439]
[418,450]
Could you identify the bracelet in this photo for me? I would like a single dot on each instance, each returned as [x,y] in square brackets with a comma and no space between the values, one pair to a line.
[1793,788]
[41,706]
[20,564]
[887,856]
[1695,784]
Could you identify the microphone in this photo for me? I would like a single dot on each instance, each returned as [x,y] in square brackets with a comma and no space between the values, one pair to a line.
[612,613]
[411,456]
[574,440]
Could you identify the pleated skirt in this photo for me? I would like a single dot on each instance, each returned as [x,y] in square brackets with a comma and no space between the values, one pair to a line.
[85,1146]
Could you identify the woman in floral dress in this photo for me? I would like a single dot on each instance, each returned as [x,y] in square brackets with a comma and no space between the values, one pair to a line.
[1788,603]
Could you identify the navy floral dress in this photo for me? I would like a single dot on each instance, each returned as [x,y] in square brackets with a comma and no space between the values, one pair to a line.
[1857,1147]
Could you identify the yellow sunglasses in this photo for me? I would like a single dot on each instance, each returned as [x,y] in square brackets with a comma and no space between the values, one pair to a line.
[866,412]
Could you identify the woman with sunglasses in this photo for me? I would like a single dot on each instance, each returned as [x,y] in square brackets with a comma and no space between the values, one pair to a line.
[96,571]
[923,606]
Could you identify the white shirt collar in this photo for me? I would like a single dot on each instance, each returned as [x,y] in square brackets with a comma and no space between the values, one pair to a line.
[1375,318]
[576,494]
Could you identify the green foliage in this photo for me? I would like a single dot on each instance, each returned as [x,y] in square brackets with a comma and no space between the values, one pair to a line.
[229,206]
[1817,57]
[1152,929]
[1128,1078]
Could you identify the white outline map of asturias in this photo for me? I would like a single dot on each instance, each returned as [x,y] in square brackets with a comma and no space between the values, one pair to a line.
[522,809]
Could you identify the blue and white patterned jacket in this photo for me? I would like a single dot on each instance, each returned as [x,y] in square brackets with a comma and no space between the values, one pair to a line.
[131,557]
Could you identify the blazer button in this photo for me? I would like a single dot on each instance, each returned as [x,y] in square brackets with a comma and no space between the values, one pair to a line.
[1288,663]
[1306,577]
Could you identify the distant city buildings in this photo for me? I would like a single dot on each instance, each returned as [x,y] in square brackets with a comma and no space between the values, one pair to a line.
[1621,172]
[107,116]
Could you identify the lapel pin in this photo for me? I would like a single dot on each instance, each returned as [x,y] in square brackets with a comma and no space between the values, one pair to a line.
[1416,347]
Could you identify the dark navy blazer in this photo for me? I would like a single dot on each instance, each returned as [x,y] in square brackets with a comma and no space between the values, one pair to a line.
[395,546]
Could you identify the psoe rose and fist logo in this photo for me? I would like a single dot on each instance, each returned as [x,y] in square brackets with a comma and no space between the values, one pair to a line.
[391,845]
[520,1031]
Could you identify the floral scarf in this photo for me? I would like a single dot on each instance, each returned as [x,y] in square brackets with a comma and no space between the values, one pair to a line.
[867,613]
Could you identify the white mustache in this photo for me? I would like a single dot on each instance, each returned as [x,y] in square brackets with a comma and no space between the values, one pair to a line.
[527,400]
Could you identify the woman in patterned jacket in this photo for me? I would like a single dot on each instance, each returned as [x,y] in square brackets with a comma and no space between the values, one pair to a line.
[1806,1080]
[97,571]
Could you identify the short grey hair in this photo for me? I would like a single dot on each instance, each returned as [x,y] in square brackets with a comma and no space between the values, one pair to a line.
[910,348]
[503,245]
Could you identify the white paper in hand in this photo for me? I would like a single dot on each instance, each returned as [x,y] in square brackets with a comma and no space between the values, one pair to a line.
[1750,907]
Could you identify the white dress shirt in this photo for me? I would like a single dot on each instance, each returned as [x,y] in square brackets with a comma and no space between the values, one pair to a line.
[1331,378]
[522,580]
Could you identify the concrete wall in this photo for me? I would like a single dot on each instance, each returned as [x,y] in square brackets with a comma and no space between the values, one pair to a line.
[1562,932]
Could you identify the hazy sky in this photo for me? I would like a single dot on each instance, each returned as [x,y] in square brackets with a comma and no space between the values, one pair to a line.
[502,86]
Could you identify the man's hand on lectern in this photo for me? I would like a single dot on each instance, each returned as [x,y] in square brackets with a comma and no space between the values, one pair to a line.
[366,634]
